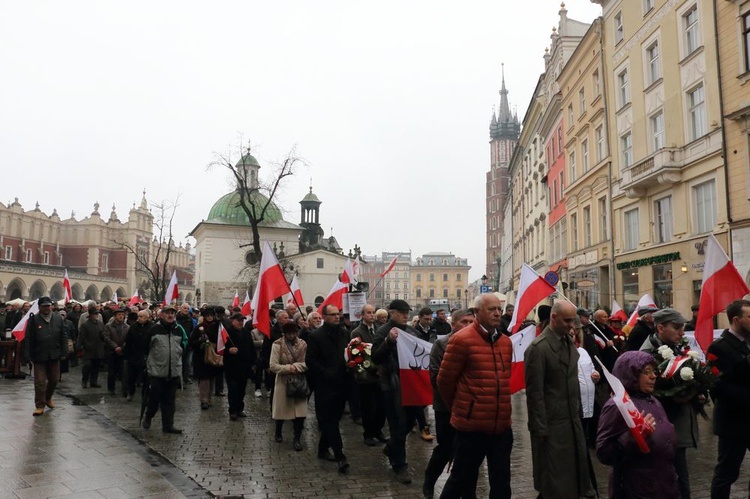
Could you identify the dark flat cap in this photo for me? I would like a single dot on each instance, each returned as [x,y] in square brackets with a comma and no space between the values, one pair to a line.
[667,315]
[648,309]
[583,312]
[44,300]
[399,305]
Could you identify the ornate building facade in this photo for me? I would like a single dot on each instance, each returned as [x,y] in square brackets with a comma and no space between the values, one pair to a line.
[37,249]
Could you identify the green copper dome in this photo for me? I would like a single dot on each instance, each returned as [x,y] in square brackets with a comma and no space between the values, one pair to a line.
[227,210]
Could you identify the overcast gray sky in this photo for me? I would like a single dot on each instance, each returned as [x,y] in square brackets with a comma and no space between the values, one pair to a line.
[389,102]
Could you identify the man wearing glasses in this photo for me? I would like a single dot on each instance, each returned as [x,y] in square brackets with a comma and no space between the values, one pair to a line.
[332,382]
[730,354]
[670,328]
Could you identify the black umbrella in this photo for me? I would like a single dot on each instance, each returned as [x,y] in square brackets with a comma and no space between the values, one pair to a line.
[145,392]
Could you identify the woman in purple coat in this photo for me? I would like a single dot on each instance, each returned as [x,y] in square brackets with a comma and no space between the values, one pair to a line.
[635,474]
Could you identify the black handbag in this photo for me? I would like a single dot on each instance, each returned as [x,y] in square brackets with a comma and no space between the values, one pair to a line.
[297,387]
[296,384]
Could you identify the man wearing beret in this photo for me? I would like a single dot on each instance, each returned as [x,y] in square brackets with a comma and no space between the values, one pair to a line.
[45,344]
[385,354]
[681,411]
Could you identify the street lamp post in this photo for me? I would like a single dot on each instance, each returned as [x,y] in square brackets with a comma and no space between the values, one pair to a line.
[466,298]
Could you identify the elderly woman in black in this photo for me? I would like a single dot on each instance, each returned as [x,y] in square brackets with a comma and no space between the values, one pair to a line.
[205,334]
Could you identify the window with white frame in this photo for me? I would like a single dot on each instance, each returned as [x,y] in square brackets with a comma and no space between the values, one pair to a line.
[623,87]
[9,252]
[626,149]
[587,226]
[570,115]
[582,100]
[647,6]
[697,111]
[631,229]
[596,83]
[704,206]
[562,185]
[46,257]
[663,225]
[29,256]
[105,262]
[585,155]
[602,206]
[657,131]
[691,25]
[618,28]
[572,162]
[654,62]
[599,133]
[559,141]
[574,231]
[746,39]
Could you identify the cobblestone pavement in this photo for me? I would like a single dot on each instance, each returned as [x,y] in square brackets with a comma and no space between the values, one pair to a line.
[91,446]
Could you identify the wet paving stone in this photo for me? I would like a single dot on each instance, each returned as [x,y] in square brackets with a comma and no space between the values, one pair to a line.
[91,445]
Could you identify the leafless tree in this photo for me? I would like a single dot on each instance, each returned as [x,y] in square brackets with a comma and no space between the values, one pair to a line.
[246,183]
[152,257]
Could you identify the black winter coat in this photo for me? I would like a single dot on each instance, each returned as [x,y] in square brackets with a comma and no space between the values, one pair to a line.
[325,360]
[239,365]
[204,331]
[731,393]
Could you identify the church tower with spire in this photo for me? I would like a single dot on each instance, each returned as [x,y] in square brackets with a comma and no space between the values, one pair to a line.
[504,132]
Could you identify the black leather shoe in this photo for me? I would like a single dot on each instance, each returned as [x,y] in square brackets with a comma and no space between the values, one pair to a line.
[147,422]
[297,445]
[343,465]
[327,455]
[241,414]
[382,438]
[278,438]
[220,394]
[233,417]
[172,430]
[402,476]
[372,442]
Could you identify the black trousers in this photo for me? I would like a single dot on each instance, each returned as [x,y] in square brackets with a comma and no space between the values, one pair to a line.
[236,387]
[443,451]
[415,415]
[162,396]
[683,476]
[90,371]
[219,382]
[115,369]
[373,409]
[731,453]
[471,449]
[397,425]
[328,413]
[135,371]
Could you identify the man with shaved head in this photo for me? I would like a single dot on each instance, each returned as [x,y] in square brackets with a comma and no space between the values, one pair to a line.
[553,398]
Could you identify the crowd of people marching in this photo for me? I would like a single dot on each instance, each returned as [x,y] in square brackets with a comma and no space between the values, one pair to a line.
[323,356]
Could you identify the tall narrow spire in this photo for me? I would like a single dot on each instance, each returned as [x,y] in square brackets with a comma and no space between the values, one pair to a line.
[504,112]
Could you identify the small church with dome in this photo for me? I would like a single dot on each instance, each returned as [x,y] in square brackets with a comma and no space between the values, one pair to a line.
[224,254]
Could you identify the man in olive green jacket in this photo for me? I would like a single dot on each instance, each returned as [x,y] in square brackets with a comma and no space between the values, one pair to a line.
[553,398]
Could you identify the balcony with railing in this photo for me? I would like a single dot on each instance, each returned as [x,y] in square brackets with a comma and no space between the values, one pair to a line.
[662,167]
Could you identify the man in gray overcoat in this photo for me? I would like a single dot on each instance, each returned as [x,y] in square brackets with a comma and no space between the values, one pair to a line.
[553,398]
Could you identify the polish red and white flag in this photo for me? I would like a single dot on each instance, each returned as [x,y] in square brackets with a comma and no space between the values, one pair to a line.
[531,290]
[136,299]
[271,285]
[618,312]
[335,297]
[66,287]
[236,300]
[630,413]
[645,301]
[19,332]
[349,275]
[222,339]
[296,292]
[521,341]
[414,369]
[389,267]
[172,291]
[722,284]
[246,308]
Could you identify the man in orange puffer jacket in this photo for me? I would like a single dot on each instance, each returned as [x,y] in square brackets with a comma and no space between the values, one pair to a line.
[474,381]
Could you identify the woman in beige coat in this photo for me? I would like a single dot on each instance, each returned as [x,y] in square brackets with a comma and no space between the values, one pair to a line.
[287,358]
